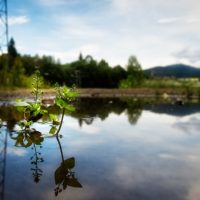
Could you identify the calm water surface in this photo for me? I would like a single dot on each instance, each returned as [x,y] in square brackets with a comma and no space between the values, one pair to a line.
[121,150]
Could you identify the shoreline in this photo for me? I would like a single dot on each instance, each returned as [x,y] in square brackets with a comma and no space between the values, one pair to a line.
[105,93]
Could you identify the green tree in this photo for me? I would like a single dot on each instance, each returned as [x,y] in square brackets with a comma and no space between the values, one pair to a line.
[12,51]
[133,66]
[134,72]
[118,73]
[80,57]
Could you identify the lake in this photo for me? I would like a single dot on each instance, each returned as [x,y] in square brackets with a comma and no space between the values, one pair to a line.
[114,149]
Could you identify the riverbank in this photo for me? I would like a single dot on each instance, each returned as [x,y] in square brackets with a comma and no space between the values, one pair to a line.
[177,93]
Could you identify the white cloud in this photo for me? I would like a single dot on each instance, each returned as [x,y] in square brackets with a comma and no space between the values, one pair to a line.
[69,55]
[51,3]
[178,19]
[16,151]
[188,54]
[87,129]
[17,20]
[149,29]
[193,20]
[122,7]
[169,20]
[78,27]
[189,124]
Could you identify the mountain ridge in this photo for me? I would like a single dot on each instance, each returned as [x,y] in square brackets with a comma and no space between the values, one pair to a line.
[174,70]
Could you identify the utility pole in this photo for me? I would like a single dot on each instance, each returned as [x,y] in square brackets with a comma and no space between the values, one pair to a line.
[3,133]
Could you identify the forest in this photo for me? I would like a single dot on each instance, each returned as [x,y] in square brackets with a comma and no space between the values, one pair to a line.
[16,70]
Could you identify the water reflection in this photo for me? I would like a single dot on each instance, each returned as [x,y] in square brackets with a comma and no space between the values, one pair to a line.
[133,150]
[36,159]
[87,110]
[134,110]
[30,138]
[3,155]
[64,176]
[173,109]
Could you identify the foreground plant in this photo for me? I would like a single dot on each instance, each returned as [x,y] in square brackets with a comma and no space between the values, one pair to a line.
[28,136]
[34,111]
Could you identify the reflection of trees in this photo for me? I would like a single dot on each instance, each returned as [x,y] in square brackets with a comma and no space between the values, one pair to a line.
[87,120]
[133,115]
[174,110]
[134,110]
[88,109]
[10,115]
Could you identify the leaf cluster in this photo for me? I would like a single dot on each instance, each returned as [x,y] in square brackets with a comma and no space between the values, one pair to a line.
[27,137]
[65,177]
[65,97]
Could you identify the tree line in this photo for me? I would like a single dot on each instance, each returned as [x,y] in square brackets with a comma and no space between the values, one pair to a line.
[85,72]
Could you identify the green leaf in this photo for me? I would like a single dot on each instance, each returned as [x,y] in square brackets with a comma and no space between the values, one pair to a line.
[20,103]
[56,123]
[69,163]
[64,104]
[25,123]
[53,117]
[70,108]
[43,111]
[60,102]
[71,94]
[53,130]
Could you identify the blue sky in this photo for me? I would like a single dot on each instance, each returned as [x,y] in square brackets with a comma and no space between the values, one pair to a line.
[158,32]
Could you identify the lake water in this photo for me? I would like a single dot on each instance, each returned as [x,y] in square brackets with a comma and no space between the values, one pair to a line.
[122,150]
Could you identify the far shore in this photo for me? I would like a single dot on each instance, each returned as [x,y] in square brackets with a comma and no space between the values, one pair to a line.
[109,93]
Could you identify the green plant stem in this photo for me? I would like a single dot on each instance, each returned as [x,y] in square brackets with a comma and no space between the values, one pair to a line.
[60,147]
[37,88]
[61,122]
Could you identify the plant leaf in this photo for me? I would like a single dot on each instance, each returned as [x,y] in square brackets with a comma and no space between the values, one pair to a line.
[69,163]
[59,175]
[73,182]
[53,130]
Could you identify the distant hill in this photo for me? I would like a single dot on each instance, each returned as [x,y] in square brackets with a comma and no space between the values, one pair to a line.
[176,70]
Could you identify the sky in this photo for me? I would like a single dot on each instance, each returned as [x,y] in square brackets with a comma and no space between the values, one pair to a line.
[157,32]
